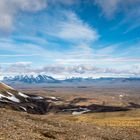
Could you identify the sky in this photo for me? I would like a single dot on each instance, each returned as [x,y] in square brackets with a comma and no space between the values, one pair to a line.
[70,38]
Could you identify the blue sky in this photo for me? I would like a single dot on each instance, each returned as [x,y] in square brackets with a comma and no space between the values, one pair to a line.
[65,38]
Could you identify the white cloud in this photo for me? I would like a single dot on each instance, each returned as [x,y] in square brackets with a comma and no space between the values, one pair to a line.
[76,29]
[107,50]
[77,70]
[24,49]
[69,26]
[63,2]
[109,7]
[74,61]
[66,25]
[130,10]
[9,10]
[17,68]
[18,55]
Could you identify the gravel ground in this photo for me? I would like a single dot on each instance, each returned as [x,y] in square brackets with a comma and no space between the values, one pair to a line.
[22,126]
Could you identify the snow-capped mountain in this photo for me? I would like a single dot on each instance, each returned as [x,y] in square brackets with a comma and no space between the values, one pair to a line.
[102,79]
[78,79]
[31,79]
[41,79]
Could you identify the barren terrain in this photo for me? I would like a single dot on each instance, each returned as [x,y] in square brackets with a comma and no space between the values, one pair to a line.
[106,125]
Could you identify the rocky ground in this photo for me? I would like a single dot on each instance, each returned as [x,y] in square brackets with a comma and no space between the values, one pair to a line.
[22,126]
[113,125]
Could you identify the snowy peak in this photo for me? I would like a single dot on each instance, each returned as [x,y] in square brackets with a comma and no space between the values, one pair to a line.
[31,79]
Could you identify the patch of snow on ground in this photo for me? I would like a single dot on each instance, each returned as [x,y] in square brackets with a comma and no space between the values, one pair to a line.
[84,110]
[23,95]
[12,98]
[23,108]
[37,98]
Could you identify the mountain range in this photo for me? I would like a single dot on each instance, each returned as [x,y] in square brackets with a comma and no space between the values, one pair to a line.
[31,79]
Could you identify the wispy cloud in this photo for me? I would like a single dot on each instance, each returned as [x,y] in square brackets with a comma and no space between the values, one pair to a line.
[23,49]
[129,8]
[70,27]
[18,55]
[73,28]
[9,10]
[62,2]
[109,7]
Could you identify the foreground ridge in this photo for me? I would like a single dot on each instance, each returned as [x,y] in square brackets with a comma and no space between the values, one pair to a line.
[16,100]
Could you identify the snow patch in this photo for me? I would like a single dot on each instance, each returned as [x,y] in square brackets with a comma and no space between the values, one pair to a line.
[83,110]
[23,95]
[37,98]
[13,98]
[23,108]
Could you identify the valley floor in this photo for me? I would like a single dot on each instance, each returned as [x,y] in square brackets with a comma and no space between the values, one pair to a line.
[124,125]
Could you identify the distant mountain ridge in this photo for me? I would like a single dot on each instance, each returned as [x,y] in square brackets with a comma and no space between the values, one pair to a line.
[103,79]
[31,79]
